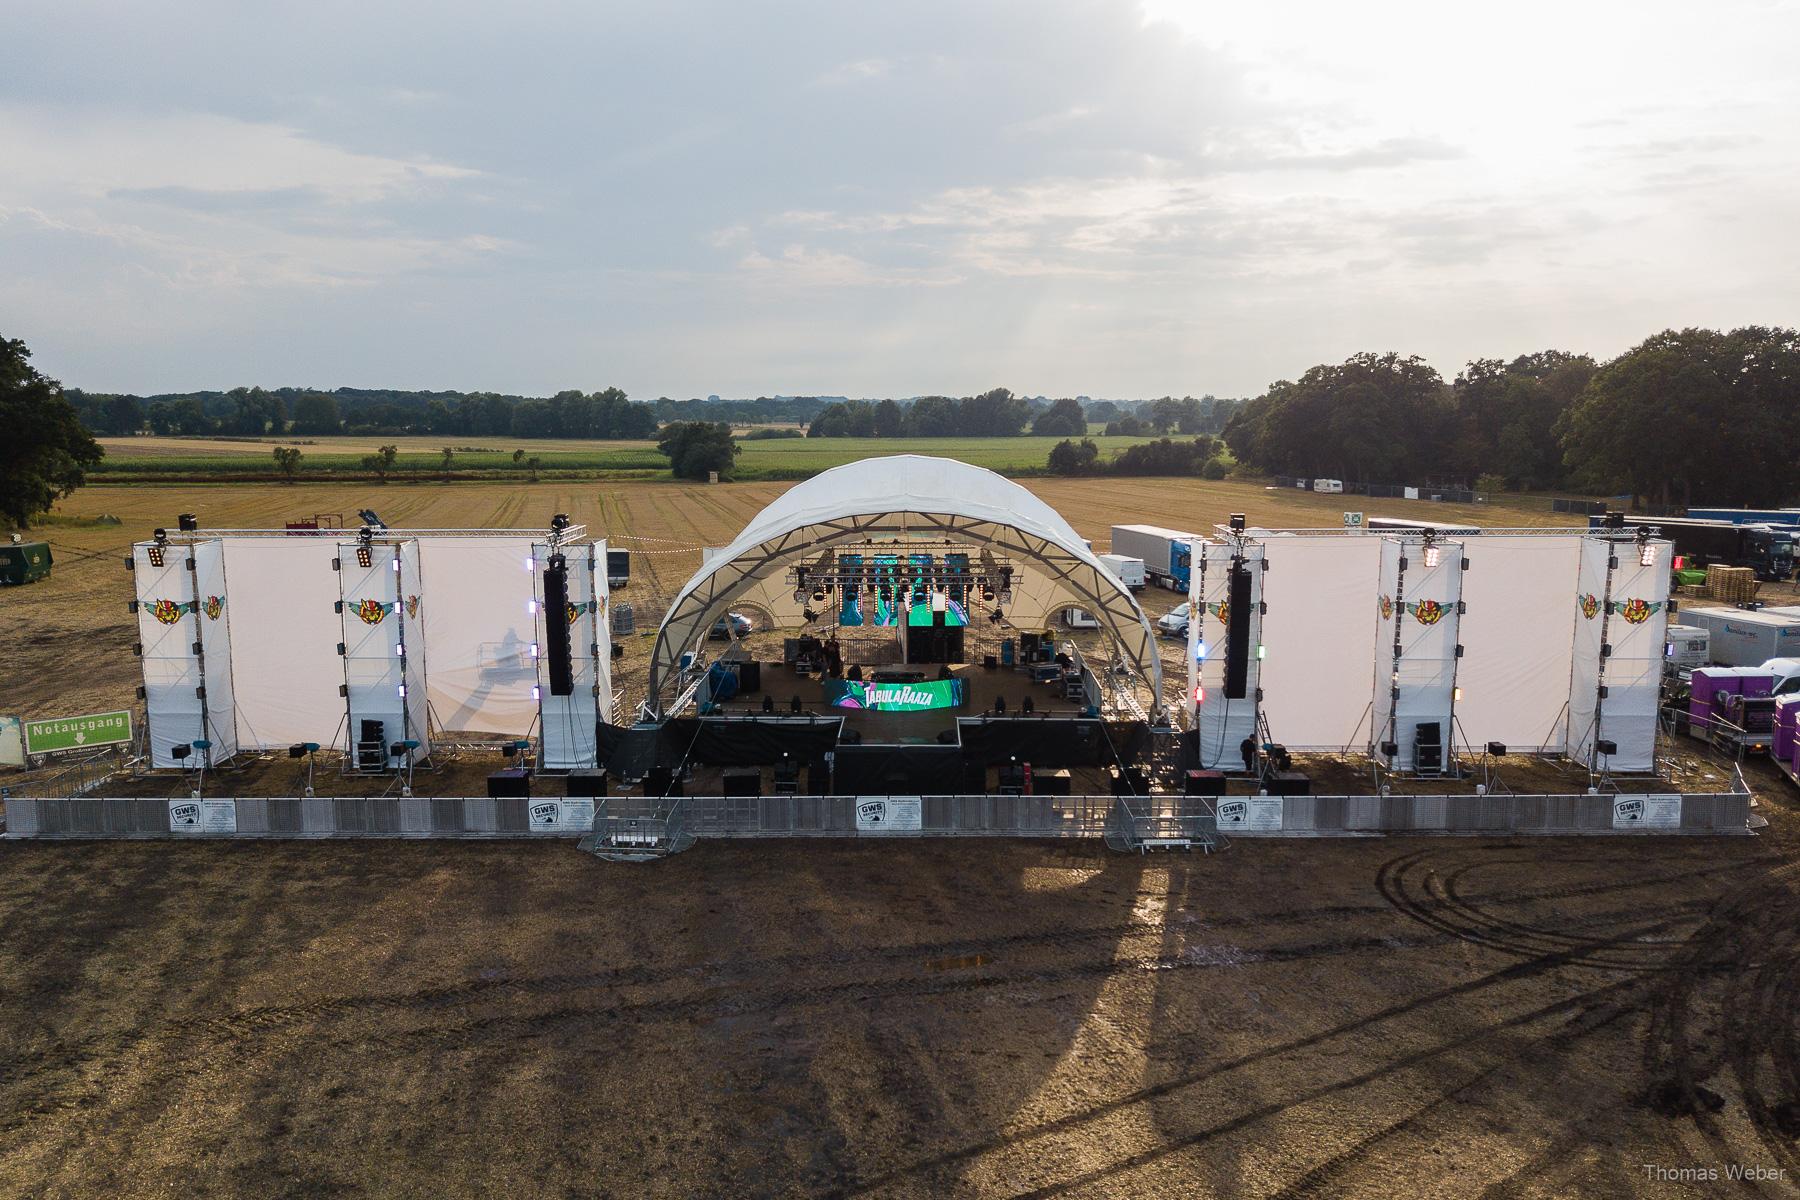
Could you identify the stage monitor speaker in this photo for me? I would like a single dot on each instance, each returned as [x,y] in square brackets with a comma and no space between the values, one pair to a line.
[1190,748]
[585,782]
[559,654]
[1011,781]
[1428,746]
[787,778]
[1028,646]
[1052,783]
[662,782]
[1130,782]
[749,676]
[1288,783]
[514,781]
[742,781]
[1205,783]
[1237,633]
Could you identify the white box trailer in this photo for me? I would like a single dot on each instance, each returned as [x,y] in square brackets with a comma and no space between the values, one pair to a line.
[1129,570]
[1686,647]
[1742,638]
[1165,552]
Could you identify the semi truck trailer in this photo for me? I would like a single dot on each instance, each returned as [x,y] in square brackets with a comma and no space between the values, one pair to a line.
[1166,552]
[1765,549]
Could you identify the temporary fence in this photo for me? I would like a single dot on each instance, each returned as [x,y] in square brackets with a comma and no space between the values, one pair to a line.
[671,822]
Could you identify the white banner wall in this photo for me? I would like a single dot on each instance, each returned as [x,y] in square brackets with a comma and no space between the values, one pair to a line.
[281,594]
[1415,675]
[187,695]
[1320,635]
[384,669]
[1517,642]
[479,626]
[1621,613]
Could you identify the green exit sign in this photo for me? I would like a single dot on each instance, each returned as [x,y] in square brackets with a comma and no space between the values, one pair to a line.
[77,733]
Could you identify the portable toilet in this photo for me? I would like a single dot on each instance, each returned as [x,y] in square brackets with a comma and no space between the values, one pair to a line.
[24,562]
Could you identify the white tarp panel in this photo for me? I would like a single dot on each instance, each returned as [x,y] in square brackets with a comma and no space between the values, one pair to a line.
[177,607]
[1415,647]
[281,593]
[1221,721]
[478,633]
[1320,636]
[1621,611]
[1518,636]
[214,621]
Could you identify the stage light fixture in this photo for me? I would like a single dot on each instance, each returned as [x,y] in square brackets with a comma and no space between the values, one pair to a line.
[1262,651]
[1237,522]
[155,554]
[1456,695]
[401,688]
[559,522]
[365,557]
[1646,555]
[1431,556]
[1200,650]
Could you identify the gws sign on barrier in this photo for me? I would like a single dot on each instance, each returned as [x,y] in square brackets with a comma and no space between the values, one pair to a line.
[889,814]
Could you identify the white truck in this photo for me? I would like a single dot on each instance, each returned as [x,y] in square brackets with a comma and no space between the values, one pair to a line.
[1166,552]
[1079,618]
[1746,638]
[1684,648]
[1129,570]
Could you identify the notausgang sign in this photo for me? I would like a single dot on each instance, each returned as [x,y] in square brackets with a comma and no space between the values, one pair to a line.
[895,697]
[77,733]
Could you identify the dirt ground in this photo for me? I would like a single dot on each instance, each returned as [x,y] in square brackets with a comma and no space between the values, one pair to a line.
[1363,1017]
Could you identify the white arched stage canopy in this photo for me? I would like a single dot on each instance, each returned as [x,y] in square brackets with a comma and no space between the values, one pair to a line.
[886,502]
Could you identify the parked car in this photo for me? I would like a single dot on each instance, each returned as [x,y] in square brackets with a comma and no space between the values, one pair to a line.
[731,625]
[1173,623]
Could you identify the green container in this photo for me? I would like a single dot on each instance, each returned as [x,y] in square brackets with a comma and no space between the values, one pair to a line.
[1690,576]
[24,562]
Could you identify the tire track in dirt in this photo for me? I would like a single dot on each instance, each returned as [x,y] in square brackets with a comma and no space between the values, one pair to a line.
[1527,969]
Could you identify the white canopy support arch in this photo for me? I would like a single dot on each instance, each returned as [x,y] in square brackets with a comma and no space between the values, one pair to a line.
[919,497]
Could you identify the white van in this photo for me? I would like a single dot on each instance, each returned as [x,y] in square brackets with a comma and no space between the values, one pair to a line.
[1079,618]
[1173,623]
[1787,675]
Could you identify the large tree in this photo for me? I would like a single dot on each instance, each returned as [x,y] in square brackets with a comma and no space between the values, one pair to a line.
[697,448]
[1062,419]
[1694,416]
[1382,418]
[45,451]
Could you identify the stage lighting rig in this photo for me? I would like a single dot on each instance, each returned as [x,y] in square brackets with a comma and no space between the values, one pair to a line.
[365,546]
[158,548]
[1646,552]
[1430,553]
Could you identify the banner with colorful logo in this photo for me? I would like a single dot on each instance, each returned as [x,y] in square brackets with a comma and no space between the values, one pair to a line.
[894,697]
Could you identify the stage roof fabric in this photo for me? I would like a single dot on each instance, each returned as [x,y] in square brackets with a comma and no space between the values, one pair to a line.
[881,498]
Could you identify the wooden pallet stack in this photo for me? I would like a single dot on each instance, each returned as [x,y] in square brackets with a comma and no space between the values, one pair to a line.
[1731,585]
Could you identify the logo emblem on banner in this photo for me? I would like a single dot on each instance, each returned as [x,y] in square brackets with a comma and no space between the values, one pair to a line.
[1221,610]
[371,611]
[1590,604]
[1426,612]
[412,606]
[214,606]
[573,610]
[166,611]
[1387,607]
[1636,612]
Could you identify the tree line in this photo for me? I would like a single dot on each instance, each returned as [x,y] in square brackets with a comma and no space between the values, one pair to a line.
[1688,416]
[999,413]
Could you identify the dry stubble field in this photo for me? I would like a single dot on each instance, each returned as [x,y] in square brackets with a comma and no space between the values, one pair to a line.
[1369,1017]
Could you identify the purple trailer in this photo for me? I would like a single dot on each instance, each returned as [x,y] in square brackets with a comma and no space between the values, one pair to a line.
[1785,749]
[1709,687]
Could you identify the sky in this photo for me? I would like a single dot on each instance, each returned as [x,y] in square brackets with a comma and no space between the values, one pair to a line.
[1063,197]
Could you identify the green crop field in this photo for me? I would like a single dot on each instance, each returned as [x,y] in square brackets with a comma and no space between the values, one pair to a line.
[158,458]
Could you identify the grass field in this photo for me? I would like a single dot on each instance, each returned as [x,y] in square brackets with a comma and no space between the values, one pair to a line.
[421,457]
